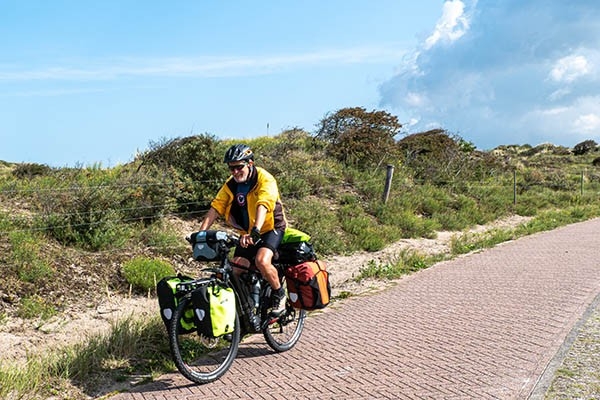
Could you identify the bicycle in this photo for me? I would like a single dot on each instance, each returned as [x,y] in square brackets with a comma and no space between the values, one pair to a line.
[201,359]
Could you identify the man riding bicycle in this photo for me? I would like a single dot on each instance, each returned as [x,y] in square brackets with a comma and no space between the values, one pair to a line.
[249,202]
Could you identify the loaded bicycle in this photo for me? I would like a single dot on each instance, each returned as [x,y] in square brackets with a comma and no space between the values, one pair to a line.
[204,358]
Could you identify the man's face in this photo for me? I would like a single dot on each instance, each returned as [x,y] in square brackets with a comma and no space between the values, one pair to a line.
[240,170]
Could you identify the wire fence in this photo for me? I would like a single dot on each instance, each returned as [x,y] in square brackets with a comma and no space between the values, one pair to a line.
[15,204]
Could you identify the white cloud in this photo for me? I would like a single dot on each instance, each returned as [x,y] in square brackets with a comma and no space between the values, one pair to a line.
[588,123]
[509,71]
[203,66]
[575,121]
[570,68]
[558,94]
[412,121]
[554,111]
[416,99]
[452,25]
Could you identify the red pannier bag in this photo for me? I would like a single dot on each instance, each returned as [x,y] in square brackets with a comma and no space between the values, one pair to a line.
[308,285]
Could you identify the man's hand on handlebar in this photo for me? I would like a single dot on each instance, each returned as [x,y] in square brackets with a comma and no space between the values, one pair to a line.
[255,235]
[250,239]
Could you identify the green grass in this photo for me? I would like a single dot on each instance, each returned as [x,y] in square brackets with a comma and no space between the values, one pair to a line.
[408,261]
[122,211]
[132,347]
[35,306]
[544,221]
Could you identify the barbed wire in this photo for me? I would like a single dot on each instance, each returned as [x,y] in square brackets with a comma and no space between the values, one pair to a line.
[75,187]
[504,180]
[118,210]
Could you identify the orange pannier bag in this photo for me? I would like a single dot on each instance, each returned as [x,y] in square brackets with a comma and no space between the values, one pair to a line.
[308,285]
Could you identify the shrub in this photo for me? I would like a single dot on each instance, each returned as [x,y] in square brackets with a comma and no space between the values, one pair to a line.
[357,137]
[193,164]
[310,216]
[29,170]
[584,147]
[143,273]
[436,157]
[93,208]
[25,255]
[163,238]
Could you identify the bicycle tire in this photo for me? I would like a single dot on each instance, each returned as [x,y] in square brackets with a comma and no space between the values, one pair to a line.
[199,359]
[283,334]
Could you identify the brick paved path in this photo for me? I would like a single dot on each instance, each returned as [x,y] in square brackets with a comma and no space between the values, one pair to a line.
[482,326]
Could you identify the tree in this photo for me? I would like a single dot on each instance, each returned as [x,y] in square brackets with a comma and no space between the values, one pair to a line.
[357,137]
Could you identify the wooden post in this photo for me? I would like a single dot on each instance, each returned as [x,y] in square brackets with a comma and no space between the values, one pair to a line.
[581,183]
[515,187]
[388,183]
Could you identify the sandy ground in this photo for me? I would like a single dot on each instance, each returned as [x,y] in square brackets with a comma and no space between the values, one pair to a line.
[20,339]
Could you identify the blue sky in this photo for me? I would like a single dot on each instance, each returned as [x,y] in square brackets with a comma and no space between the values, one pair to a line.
[85,82]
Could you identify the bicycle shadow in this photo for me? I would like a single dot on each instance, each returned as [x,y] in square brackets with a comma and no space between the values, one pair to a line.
[176,382]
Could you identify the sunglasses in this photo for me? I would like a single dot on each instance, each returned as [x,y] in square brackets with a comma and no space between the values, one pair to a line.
[235,168]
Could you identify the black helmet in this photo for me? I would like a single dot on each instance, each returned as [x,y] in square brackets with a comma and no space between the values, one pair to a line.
[238,152]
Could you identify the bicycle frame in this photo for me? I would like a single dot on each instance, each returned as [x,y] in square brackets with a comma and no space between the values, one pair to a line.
[204,359]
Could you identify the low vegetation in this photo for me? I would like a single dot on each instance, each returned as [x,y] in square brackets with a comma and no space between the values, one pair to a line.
[85,231]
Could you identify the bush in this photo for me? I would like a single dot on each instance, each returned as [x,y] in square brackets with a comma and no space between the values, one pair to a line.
[357,137]
[193,164]
[93,208]
[438,158]
[25,255]
[29,170]
[584,147]
[163,238]
[143,273]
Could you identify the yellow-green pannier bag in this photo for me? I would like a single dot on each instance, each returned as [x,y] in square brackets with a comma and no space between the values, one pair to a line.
[214,310]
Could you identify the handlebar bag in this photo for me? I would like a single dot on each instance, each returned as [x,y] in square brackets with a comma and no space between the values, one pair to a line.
[208,245]
[308,285]
[214,310]
[167,301]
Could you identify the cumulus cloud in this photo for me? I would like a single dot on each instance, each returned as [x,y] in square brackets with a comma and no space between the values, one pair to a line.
[504,71]
[569,68]
[452,25]
[587,123]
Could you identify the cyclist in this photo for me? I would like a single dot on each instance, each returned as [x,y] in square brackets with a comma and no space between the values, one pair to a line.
[249,202]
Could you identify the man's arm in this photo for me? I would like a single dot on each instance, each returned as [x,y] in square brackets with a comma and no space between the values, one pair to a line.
[209,218]
[261,214]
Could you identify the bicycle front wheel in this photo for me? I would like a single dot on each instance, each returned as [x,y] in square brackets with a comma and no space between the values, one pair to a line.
[198,358]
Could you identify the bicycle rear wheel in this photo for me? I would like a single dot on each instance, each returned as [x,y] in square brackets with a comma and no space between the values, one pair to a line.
[201,359]
[282,333]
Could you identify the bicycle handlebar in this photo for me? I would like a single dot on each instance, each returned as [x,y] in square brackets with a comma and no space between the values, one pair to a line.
[229,239]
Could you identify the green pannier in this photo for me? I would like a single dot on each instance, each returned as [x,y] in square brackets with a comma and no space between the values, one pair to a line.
[295,248]
[214,310]
[167,301]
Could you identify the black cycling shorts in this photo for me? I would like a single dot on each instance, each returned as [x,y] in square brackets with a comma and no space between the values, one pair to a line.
[270,240]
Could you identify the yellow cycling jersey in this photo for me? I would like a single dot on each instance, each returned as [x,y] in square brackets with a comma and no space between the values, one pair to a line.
[237,203]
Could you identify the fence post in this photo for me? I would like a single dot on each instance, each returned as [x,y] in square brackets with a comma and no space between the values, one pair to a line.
[388,183]
[514,187]
[581,183]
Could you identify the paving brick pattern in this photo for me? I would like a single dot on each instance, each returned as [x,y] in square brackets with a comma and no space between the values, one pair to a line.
[482,326]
